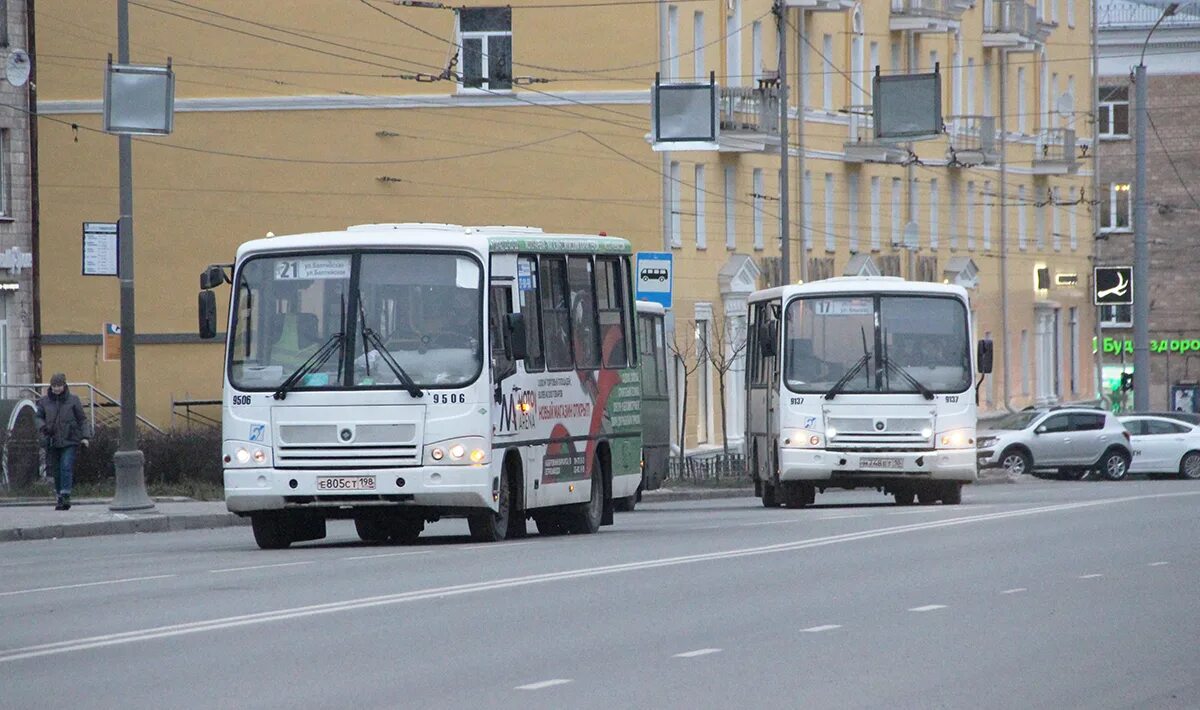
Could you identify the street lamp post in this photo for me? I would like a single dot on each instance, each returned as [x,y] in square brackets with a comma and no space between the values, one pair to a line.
[1141,240]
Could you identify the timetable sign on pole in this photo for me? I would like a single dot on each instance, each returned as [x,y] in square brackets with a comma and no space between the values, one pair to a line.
[100,249]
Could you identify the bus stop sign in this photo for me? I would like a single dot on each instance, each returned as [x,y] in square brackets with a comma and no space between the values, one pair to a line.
[653,276]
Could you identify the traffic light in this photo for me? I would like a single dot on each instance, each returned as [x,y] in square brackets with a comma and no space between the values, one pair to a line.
[1126,381]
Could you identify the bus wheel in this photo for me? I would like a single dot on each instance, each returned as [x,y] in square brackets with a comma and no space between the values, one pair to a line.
[488,526]
[904,496]
[404,531]
[549,523]
[271,530]
[584,519]
[371,529]
[927,495]
[798,495]
[768,495]
[951,493]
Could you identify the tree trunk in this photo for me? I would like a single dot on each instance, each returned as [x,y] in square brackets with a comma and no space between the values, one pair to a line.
[724,428]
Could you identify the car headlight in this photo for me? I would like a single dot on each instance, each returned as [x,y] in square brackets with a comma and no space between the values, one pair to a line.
[957,439]
[985,442]
[802,439]
[467,450]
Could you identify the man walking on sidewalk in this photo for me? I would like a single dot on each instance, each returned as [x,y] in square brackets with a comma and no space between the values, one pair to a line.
[63,427]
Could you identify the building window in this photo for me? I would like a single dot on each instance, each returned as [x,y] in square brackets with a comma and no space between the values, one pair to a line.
[1022,105]
[698,46]
[952,222]
[934,213]
[1022,220]
[730,202]
[970,86]
[865,81]
[1114,111]
[1116,316]
[896,235]
[676,213]
[1039,226]
[704,380]
[733,45]
[1055,237]
[756,51]
[852,211]
[987,87]
[758,208]
[956,72]
[1074,230]
[672,43]
[970,215]
[1116,213]
[806,199]
[1070,13]
[701,235]
[485,34]
[875,196]
[1025,363]
[988,204]
[830,244]
[827,73]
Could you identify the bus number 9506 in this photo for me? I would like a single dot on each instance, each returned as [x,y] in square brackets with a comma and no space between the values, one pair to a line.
[449,398]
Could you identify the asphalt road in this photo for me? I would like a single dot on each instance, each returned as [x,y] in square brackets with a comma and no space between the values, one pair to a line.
[1043,595]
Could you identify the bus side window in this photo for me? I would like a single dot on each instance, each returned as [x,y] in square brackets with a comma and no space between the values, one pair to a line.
[556,314]
[583,312]
[527,297]
[610,301]
[501,305]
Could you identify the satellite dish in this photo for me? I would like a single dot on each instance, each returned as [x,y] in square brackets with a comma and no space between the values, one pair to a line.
[16,67]
[1065,104]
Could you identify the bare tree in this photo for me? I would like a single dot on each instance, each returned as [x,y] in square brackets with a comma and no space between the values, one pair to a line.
[729,342]
[688,359]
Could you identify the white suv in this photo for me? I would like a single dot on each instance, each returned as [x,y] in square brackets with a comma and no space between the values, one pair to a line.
[1070,441]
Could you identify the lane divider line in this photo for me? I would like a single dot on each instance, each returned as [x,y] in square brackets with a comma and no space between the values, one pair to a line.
[1017,590]
[819,629]
[698,652]
[928,607]
[278,564]
[173,630]
[543,684]
[85,584]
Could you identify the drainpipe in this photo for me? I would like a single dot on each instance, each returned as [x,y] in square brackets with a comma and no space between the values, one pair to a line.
[35,339]
[802,76]
[1005,340]
[1098,355]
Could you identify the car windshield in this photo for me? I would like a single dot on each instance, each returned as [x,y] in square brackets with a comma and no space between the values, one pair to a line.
[425,309]
[904,340]
[1016,420]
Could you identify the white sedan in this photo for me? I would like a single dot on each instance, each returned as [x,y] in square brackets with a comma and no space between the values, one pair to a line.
[1164,445]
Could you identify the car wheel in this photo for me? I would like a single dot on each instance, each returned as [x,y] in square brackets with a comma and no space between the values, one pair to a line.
[1114,465]
[1189,467]
[1016,462]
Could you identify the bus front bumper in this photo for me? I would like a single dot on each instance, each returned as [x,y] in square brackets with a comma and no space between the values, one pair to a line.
[823,465]
[249,490]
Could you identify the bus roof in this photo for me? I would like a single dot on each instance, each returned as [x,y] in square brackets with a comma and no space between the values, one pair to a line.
[493,239]
[859,284]
[650,307]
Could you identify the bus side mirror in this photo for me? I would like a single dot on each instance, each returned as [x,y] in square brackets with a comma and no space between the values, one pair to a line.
[983,357]
[518,344]
[212,277]
[208,315]
[768,335]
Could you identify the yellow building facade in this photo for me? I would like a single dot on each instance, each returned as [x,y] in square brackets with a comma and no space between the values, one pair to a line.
[326,115]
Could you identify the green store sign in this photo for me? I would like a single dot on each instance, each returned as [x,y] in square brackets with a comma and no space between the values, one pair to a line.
[1113,346]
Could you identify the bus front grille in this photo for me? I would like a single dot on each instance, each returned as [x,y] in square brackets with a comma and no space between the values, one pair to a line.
[333,457]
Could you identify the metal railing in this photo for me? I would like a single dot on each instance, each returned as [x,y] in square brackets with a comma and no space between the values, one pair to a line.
[972,133]
[102,409]
[862,124]
[1055,144]
[1130,16]
[939,9]
[747,109]
[1011,16]
[185,410]
[708,469]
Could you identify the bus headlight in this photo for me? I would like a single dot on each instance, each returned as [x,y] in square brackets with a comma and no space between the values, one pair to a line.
[243,454]
[464,451]
[801,439]
[957,439]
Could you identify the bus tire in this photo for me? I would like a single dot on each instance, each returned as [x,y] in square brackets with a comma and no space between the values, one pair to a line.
[769,500]
[798,495]
[550,523]
[904,496]
[271,530]
[370,529]
[492,527]
[928,495]
[585,518]
[951,493]
[404,531]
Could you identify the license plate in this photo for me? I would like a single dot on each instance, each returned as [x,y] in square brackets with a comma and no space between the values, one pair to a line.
[884,462]
[345,483]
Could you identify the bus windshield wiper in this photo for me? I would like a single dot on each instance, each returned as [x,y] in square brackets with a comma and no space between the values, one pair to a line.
[314,362]
[370,337]
[893,367]
[852,372]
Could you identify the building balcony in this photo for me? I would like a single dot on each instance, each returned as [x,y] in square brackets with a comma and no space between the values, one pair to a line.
[1054,153]
[819,5]
[863,147]
[926,15]
[1128,16]
[972,141]
[749,119]
[1012,24]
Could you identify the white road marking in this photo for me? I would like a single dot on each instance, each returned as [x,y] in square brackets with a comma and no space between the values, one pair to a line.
[1158,564]
[543,684]
[279,564]
[84,584]
[1090,576]
[930,509]
[495,545]
[389,554]
[769,522]
[819,629]
[229,622]
[1016,590]
[697,652]
[928,607]
[842,517]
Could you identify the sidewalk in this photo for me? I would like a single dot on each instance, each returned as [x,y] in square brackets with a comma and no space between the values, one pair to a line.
[36,519]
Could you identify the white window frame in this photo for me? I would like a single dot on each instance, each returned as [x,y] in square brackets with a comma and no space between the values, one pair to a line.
[758,208]
[1114,190]
[698,67]
[970,86]
[856,70]
[827,73]
[894,53]
[934,213]
[676,206]
[1107,109]
[875,198]
[733,45]
[1054,11]
[485,37]
[897,205]
[989,206]
[756,51]
[701,194]
[869,71]
[1071,13]
[704,393]
[830,197]
[1022,103]
[852,205]
[730,207]
[672,43]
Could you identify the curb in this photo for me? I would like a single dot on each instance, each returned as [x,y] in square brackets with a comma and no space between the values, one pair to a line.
[672,495]
[148,524]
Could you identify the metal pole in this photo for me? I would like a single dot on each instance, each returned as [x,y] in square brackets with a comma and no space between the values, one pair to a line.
[784,152]
[128,461]
[1005,336]
[802,209]
[1098,356]
[1141,252]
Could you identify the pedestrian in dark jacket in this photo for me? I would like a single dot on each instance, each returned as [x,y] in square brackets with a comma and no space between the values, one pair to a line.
[64,427]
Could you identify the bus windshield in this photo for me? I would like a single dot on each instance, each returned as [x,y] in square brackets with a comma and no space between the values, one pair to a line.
[423,308]
[886,343]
